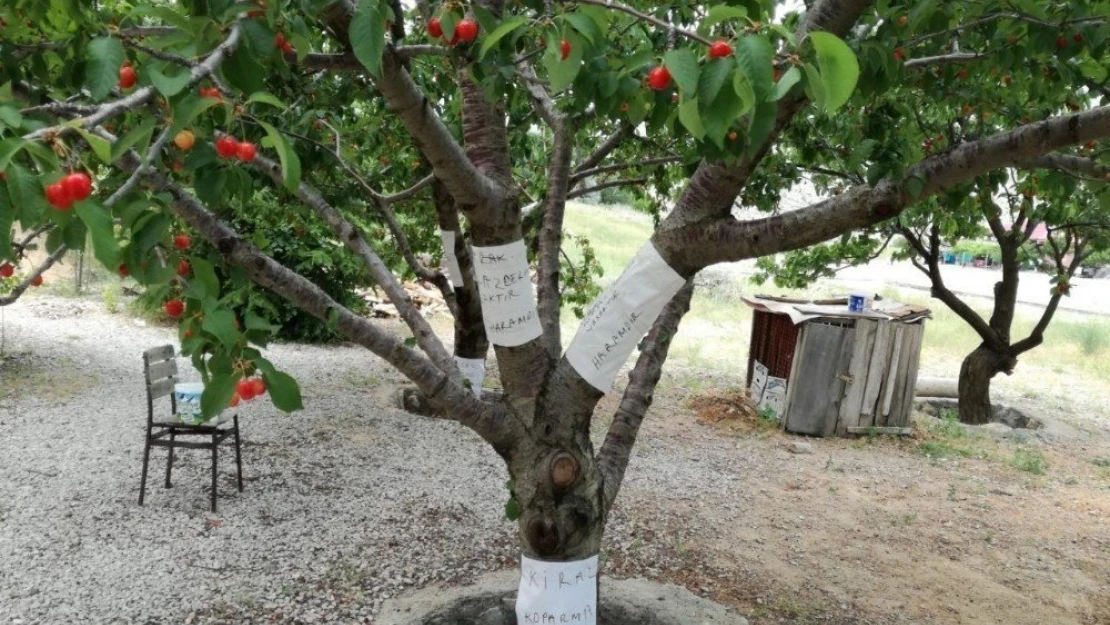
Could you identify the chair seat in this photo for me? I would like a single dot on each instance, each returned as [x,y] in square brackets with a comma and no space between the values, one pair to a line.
[223,422]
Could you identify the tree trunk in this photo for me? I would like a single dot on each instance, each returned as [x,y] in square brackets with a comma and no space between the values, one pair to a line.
[976,373]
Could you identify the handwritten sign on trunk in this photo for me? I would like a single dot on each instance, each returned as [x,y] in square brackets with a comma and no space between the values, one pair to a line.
[621,316]
[473,369]
[552,593]
[505,289]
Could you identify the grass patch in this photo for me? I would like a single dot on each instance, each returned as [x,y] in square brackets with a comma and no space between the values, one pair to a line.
[1030,461]
[940,449]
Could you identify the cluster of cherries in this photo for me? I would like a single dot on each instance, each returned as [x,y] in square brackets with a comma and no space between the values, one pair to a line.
[230,147]
[659,78]
[7,271]
[247,389]
[174,308]
[283,44]
[465,31]
[72,188]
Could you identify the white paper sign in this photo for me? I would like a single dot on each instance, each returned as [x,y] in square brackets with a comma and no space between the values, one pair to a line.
[450,261]
[759,381]
[473,369]
[774,396]
[621,316]
[552,593]
[505,289]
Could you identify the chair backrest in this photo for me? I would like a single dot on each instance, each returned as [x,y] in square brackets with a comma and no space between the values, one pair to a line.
[160,372]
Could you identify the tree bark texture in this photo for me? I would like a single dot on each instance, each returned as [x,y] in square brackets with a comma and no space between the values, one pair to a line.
[976,372]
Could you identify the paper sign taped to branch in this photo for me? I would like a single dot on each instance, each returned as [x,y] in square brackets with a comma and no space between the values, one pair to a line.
[450,261]
[759,381]
[557,592]
[473,369]
[505,288]
[621,316]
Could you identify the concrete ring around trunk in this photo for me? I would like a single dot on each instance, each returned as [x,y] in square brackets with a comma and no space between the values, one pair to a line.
[490,601]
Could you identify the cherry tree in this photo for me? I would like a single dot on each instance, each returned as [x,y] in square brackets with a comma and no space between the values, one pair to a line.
[480,120]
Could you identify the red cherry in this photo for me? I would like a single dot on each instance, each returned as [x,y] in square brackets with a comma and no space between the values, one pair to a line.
[234,400]
[659,78]
[279,40]
[58,197]
[245,389]
[227,147]
[78,186]
[6,270]
[1061,42]
[127,77]
[258,386]
[181,241]
[1077,37]
[36,281]
[246,151]
[435,29]
[720,49]
[189,333]
[174,308]
[123,271]
[564,48]
[466,30]
[183,268]
[899,54]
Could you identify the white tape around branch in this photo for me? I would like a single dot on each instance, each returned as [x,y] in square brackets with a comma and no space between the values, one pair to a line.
[557,592]
[473,369]
[621,316]
[450,261]
[505,289]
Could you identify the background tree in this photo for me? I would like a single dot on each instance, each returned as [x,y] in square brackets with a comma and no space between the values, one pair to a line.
[508,110]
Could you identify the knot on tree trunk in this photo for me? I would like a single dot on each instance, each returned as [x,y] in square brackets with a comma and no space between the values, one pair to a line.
[543,535]
[564,469]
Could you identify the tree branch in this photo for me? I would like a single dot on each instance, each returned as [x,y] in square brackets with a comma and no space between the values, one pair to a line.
[17,292]
[612,459]
[609,184]
[605,149]
[581,175]
[551,233]
[945,59]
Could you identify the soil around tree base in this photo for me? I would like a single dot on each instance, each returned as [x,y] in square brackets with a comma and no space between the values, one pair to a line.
[490,601]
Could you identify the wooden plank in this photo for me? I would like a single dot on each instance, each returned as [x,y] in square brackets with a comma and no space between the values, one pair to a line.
[162,388]
[819,379]
[881,430]
[897,398]
[790,382]
[158,354]
[164,369]
[852,402]
[898,330]
[876,370]
[913,362]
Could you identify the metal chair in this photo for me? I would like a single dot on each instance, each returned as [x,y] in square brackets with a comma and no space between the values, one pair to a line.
[160,371]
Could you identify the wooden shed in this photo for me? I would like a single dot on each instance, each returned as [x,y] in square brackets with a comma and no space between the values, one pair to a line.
[838,372]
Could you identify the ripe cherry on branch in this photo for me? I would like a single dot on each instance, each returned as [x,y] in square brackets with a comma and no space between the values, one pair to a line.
[283,44]
[564,49]
[78,186]
[36,281]
[227,147]
[58,197]
[720,49]
[466,30]
[127,76]
[181,241]
[183,268]
[184,140]
[6,270]
[659,78]
[435,29]
[246,151]
[123,271]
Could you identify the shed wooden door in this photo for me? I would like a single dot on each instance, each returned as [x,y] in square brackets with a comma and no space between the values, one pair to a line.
[818,378]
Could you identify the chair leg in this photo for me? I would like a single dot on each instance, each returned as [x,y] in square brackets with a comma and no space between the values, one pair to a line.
[169,463]
[238,455]
[215,447]
[146,463]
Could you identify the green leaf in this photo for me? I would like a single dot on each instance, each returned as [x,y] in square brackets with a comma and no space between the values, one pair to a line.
[26,192]
[262,97]
[786,83]
[243,71]
[290,163]
[447,21]
[8,149]
[713,77]
[839,69]
[221,364]
[743,88]
[860,153]
[74,234]
[718,14]
[221,324]
[492,39]
[513,509]
[99,222]
[254,322]
[209,185]
[755,57]
[11,117]
[284,391]
[189,109]
[410,342]
[7,218]
[217,394]
[915,185]
[100,146]
[586,26]
[102,70]
[683,66]
[368,35]
[762,123]
[168,84]
[139,137]
[815,85]
[204,275]
[562,72]
[720,116]
[690,117]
